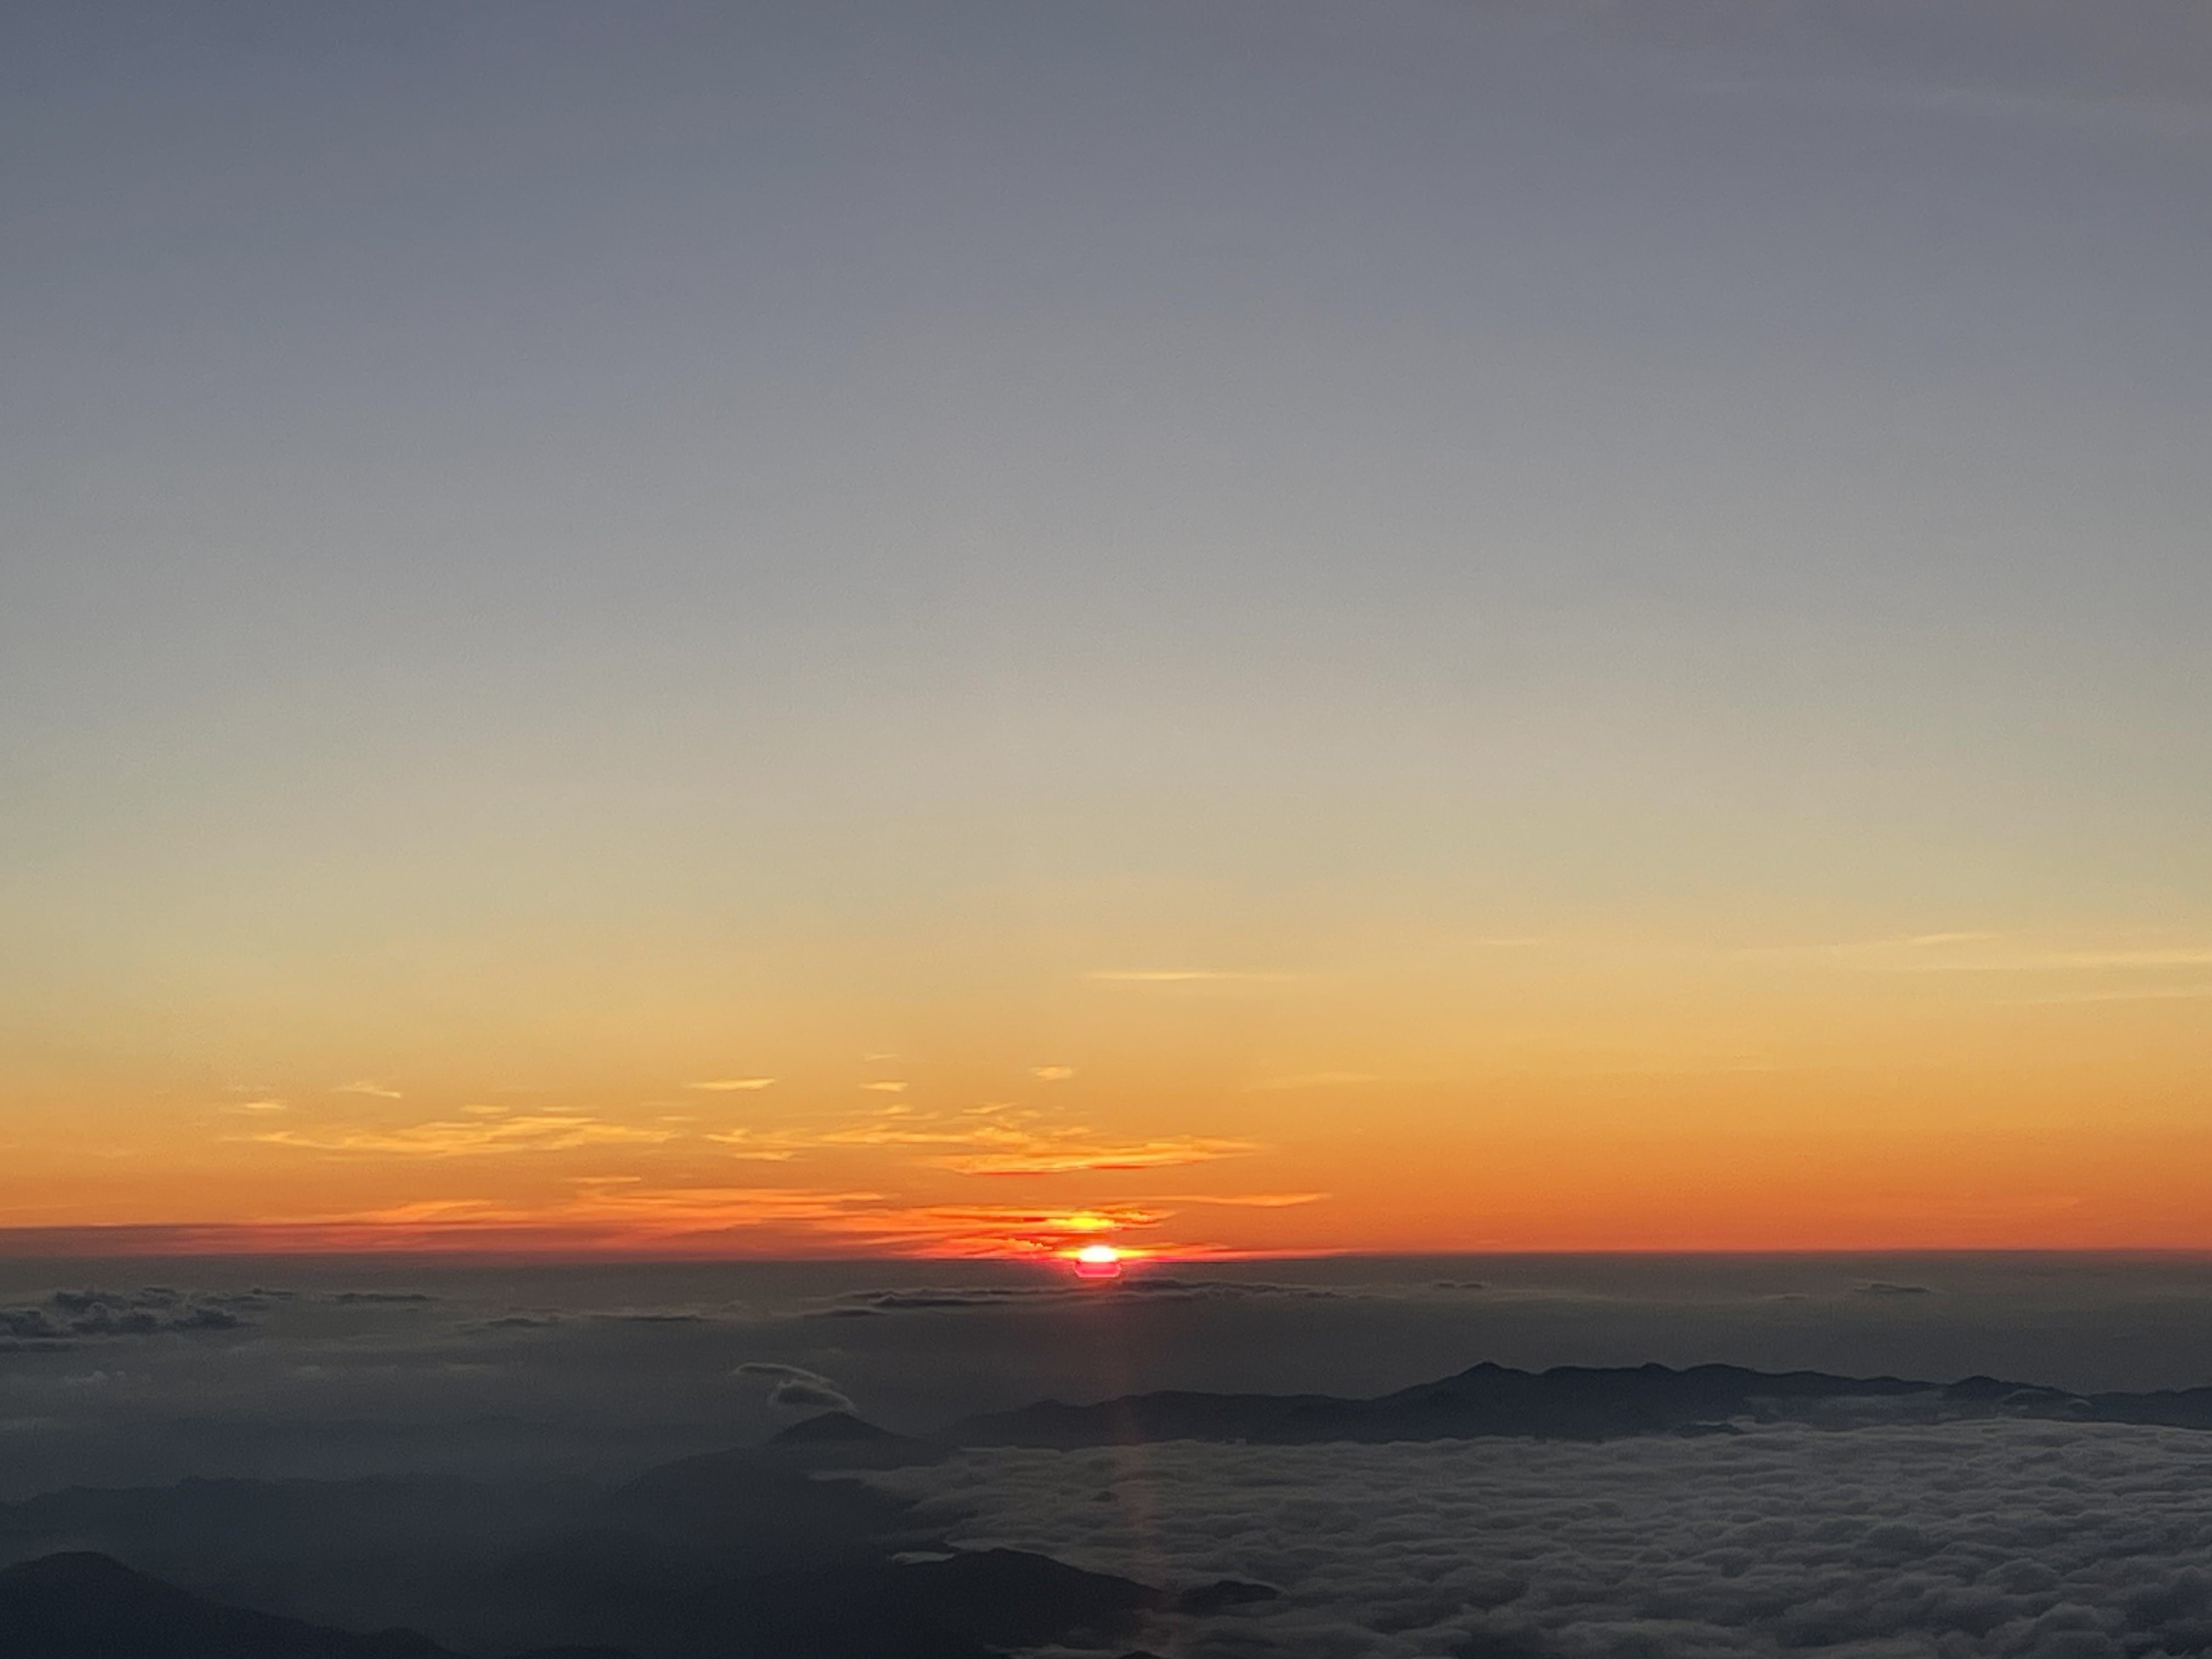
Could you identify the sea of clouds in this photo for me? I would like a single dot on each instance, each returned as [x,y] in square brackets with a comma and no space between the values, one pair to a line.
[2016,1541]
[2013,1539]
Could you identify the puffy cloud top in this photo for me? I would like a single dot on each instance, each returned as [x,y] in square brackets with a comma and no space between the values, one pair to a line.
[2009,1540]
[66,1315]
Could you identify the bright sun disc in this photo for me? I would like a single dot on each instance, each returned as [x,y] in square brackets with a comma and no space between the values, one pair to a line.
[1098,1262]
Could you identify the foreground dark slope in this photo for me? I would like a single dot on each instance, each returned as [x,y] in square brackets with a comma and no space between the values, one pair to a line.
[744,1553]
[84,1606]
[731,1555]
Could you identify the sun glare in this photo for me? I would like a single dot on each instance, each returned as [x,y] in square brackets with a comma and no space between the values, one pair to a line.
[1098,1262]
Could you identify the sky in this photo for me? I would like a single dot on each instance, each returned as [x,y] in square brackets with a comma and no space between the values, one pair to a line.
[849,628]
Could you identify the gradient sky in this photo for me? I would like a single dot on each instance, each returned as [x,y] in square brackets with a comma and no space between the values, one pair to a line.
[1240,623]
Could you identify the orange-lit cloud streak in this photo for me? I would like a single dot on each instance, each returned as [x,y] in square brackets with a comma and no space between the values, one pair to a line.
[1622,1093]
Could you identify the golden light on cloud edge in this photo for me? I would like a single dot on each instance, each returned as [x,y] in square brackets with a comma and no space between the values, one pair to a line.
[614,1217]
[1588,1137]
[1187,976]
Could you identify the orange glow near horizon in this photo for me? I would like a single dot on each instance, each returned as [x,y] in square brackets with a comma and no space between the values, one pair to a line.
[1385,630]
[1934,1092]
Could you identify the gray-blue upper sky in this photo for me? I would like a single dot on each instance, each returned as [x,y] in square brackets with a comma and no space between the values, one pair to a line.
[437,352]
[498,461]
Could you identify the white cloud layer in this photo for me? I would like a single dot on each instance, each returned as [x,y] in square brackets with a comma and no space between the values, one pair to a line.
[2014,1540]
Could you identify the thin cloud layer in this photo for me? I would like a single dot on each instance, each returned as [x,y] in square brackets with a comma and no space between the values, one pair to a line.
[2153,993]
[540,1132]
[1150,1288]
[796,1388]
[2064,962]
[1984,952]
[1248,1200]
[992,1139]
[624,1214]
[1066,1157]
[1183,976]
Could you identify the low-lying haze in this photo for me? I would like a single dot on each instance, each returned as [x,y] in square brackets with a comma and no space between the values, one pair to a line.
[344,1367]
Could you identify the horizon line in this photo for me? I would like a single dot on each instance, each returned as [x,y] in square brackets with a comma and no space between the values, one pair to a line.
[237,1241]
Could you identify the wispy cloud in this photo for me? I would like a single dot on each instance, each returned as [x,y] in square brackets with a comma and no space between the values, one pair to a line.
[2154,993]
[723,1085]
[796,1385]
[623,1214]
[1052,1073]
[750,1146]
[1245,1200]
[1985,952]
[542,1131]
[1887,945]
[2063,962]
[885,1086]
[1184,976]
[1048,1157]
[260,1106]
[2138,114]
[1310,1080]
[369,1086]
[993,1140]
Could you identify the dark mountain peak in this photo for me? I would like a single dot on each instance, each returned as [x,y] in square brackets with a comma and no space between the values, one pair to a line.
[839,1440]
[1578,1402]
[831,1426]
[1223,1593]
[1012,1598]
[1978,1387]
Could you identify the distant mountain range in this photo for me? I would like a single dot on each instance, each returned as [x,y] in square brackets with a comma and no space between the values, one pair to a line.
[1568,1402]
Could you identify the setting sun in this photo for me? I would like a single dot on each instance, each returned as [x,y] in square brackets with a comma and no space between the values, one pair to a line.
[1268,827]
[1098,1262]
